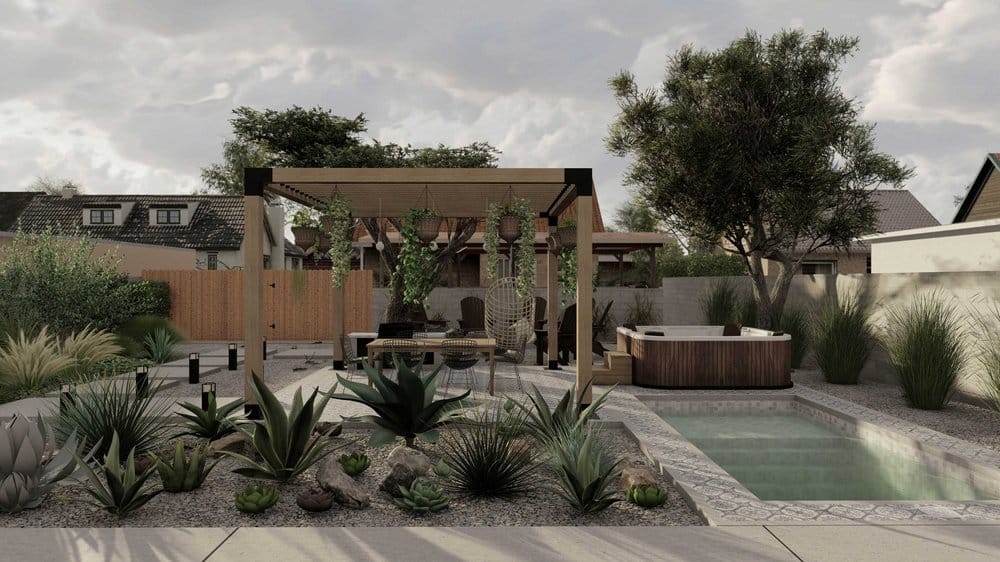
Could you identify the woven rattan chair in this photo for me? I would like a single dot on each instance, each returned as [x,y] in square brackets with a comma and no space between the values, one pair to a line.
[509,320]
[459,354]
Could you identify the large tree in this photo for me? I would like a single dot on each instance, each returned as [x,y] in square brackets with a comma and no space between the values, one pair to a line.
[755,146]
[316,137]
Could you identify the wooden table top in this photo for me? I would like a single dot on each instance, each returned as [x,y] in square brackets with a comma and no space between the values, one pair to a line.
[481,343]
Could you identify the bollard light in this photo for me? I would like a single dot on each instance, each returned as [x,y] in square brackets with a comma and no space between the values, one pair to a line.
[232,357]
[65,396]
[207,393]
[194,363]
[265,349]
[141,381]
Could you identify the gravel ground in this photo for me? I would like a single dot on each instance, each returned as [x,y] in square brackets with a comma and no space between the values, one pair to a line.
[964,421]
[279,373]
[212,505]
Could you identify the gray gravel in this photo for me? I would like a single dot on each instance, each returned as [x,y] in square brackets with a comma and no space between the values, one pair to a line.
[279,373]
[964,421]
[212,505]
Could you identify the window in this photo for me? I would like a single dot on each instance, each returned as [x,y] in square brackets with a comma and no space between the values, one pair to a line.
[168,216]
[213,261]
[819,268]
[102,216]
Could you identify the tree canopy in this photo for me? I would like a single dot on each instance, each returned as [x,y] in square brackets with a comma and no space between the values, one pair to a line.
[755,147]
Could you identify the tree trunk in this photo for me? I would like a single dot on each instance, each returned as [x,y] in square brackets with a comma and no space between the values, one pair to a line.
[770,302]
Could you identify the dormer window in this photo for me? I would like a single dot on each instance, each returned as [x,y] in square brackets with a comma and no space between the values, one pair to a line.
[102,216]
[168,216]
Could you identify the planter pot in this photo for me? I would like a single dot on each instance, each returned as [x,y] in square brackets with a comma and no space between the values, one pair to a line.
[509,228]
[326,222]
[323,243]
[428,229]
[305,236]
[566,235]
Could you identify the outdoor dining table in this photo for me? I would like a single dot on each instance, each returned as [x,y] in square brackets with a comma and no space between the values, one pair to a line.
[483,345]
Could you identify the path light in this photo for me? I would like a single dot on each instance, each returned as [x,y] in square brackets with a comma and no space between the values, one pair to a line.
[232,357]
[141,381]
[194,362]
[207,393]
[65,396]
[265,349]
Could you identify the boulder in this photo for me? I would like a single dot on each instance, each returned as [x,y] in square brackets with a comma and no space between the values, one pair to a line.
[314,499]
[232,442]
[411,458]
[324,426]
[400,475]
[345,491]
[637,476]
[521,448]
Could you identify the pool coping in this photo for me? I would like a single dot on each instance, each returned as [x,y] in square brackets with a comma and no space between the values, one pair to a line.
[719,499]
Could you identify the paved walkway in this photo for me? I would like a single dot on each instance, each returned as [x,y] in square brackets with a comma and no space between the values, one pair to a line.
[813,543]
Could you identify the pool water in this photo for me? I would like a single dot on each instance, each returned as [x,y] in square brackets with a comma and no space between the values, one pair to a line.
[789,456]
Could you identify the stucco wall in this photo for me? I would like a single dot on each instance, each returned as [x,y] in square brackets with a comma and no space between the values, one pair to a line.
[940,252]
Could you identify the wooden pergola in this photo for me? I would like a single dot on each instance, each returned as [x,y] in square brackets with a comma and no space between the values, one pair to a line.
[451,192]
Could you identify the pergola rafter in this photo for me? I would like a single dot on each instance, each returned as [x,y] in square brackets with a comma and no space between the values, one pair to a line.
[450,192]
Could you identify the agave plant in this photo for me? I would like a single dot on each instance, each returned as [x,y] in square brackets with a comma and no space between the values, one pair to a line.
[183,474]
[89,346]
[646,496]
[160,345]
[486,461]
[28,468]
[544,423]
[354,464]
[256,498]
[406,408]
[422,497]
[586,473]
[28,363]
[119,492]
[211,423]
[284,441]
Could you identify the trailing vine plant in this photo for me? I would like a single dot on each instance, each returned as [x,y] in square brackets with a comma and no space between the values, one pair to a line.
[415,260]
[567,271]
[524,258]
[340,239]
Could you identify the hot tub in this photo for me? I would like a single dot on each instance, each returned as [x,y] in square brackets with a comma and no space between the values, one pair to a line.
[700,357]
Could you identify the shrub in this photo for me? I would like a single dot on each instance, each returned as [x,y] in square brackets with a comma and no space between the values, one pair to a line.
[284,442]
[924,342]
[28,363]
[544,423]
[843,337]
[642,310]
[183,474]
[160,346]
[422,497]
[746,310]
[89,347]
[133,332]
[406,408]
[212,423]
[120,492]
[719,303]
[485,461]
[587,474]
[795,323]
[28,468]
[142,298]
[106,409]
[256,498]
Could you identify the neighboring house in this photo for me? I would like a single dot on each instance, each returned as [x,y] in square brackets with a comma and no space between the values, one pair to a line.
[899,210]
[970,243]
[211,225]
[12,203]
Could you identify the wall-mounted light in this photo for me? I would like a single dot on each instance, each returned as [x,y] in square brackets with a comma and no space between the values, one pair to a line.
[207,393]
[232,356]
[194,362]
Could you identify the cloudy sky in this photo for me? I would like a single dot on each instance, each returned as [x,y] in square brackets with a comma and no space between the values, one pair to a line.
[135,96]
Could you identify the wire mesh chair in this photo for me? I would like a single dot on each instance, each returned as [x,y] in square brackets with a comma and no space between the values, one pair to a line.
[408,352]
[515,356]
[351,359]
[459,354]
[510,321]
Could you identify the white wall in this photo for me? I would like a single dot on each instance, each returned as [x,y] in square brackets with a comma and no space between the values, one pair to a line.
[971,246]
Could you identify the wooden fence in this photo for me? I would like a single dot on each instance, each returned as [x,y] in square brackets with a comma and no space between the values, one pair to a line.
[208,305]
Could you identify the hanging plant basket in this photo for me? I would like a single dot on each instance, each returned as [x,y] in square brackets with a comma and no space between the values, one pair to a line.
[428,228]
[566,235]
[509,228]
[305,236]
[326,222]
[324,242]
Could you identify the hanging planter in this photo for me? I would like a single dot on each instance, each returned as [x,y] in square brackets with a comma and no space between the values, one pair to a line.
[305,236]
[428,227]
[323,242]
[566,234]
[509,228]
[416,258]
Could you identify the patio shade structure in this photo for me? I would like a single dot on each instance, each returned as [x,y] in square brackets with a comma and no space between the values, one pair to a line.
[392,192]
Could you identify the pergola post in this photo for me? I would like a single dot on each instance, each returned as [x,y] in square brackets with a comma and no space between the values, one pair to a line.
[653,281]
[338,327]
[552,297]
[254,180]
[583,182]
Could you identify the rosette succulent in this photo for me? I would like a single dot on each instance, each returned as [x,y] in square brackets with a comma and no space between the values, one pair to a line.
[28,467]
[354,463]
[422,497]
[647,496]
[256,499]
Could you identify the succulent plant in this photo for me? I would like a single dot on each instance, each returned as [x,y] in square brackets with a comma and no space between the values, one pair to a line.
[257,498]
[442,470]
[354,463]
[28,469]
[314,499]
[422,497]
[121,491]
[213,422]
[183,474]
[647,496]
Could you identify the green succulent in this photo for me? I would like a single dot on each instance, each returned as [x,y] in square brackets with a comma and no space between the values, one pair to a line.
[422,497]
[183,474]
[211,423]
[120,492]
[647,496]
[354,463]
[442,470]
[257,498]
[29,465]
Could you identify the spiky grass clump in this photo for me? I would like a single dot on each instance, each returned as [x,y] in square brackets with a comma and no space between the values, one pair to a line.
[720,303]
[487,461]
[795,322]
[843,338]
[160,346]
[29,362]
[89,347]
[987,343]
[925,346]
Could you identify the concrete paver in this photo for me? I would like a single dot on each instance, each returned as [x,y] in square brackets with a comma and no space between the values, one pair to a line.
[863,543]
[110,545]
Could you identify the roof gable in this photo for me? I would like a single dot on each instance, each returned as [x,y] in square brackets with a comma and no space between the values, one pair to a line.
[986,182]
[12,203]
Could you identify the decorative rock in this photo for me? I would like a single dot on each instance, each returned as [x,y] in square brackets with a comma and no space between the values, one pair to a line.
[411,458]
[232,442]
[314,499]
[345,491]
[520,447]
[323,427]
[636,476]
[142,463]
[400,475]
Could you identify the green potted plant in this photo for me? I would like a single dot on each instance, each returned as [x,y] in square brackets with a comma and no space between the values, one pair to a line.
[499,219]
[305,228]
[338,227]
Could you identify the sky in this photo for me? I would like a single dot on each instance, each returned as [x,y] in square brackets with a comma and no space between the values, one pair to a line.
[129,96]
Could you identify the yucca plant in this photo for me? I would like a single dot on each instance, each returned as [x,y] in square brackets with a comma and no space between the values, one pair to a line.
[587,474]
[924,341]
[110,407]
[544,423]
[422,497]
[29,362]
[795,322]
[89,347]
[406,408]
[256,498]
[720,302]
[118,491]
[29,468]
[211,423]
[843,337]
[486,461]
[180,473]
[160,346]
[284,441]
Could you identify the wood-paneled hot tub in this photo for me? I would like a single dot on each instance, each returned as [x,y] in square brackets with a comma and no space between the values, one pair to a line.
[700,357]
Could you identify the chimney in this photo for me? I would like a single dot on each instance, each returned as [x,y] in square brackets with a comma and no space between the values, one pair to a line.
[68,191]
